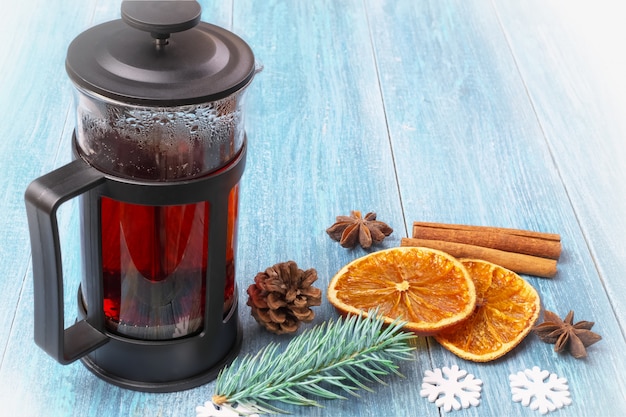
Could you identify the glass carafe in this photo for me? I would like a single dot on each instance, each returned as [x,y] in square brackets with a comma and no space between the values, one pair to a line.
[154,257]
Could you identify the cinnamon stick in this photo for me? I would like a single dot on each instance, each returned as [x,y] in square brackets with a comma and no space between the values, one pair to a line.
[544,245]
[516,262]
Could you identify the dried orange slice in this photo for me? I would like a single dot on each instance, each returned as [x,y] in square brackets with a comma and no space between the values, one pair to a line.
[427,288]
[506,310]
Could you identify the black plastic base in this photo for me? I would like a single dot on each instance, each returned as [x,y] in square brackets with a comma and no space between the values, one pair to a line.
[167,386]
[166,365]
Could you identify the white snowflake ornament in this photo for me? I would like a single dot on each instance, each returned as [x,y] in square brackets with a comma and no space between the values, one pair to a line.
[548,395]
[451,387]
[209,409]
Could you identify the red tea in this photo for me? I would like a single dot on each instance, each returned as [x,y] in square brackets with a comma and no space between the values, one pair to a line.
[154,262]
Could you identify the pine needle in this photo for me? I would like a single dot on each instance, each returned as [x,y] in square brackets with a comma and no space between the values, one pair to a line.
[338,355]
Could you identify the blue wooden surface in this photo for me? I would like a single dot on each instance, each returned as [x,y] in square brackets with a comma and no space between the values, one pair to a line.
[478,112]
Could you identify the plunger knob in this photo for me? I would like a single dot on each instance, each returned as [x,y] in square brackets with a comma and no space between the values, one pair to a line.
[161,17]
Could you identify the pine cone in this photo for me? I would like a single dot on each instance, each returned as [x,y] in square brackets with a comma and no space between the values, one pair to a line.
[281,296]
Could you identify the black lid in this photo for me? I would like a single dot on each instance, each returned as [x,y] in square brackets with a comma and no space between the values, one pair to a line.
[160,54]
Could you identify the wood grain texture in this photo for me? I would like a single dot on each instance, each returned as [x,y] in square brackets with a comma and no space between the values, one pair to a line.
[318,149]
[575,79]
[456,103]
[481,112]
[34,106]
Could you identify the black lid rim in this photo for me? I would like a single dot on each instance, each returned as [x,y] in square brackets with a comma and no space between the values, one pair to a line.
[208,75]
[158,102]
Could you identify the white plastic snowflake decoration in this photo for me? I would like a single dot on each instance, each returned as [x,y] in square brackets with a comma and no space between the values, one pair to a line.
[548,395]
[211,410]
[467,390]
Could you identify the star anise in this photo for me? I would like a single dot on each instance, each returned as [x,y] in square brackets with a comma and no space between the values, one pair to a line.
[567,336]
[353,229]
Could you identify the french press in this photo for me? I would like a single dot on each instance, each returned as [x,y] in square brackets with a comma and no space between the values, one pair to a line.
[159,148]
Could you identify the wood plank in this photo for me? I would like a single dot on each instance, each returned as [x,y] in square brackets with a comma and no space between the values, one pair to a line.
[468,149]
[575,79]
[318,149]
[34,104]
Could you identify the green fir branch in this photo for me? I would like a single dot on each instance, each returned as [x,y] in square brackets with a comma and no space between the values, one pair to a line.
[345,354]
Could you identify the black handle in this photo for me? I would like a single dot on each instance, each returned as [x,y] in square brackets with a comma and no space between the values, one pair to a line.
[43,198]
